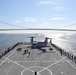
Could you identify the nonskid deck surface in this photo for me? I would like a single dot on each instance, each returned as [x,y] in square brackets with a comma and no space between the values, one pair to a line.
[44,63]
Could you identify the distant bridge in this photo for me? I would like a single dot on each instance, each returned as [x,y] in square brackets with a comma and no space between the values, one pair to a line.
[38,29]
[24,28]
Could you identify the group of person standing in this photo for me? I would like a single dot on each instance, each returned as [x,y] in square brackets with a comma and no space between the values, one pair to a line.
[5,52]
[27,52]
[8,50]
[68,54]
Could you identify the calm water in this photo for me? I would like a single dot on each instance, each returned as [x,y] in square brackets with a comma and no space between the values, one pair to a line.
[67,41]
[7,40]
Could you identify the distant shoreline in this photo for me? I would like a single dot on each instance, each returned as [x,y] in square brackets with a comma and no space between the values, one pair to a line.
[39,29]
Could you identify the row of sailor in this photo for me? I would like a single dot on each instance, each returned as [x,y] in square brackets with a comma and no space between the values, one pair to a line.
[68,54]
[8,50]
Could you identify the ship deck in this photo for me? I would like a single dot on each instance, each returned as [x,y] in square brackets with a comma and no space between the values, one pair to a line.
[44,63]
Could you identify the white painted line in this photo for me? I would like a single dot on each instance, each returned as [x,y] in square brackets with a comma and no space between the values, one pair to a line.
[38,72]
[36,66]
[19,64]
[29,61]
[9,70]
[66,60]
[7,57]
[12,65]
[57,62]
[51,65]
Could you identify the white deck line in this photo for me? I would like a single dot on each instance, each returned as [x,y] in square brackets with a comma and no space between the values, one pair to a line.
[7,57]
[58,61]
[15,62]
[12,65]
[19,64]
[38,72]
[66,60]
[51,65]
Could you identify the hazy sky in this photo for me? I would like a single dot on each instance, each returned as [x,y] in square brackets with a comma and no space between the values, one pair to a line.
[37,13]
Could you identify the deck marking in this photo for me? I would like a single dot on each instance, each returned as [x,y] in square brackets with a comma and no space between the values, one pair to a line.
[28,61]
[58,61]
[66,60]
[9,69]
[42,67]
[12,65]
[38,72]
[51,65]
[7,57]
[19,64]
[38,61]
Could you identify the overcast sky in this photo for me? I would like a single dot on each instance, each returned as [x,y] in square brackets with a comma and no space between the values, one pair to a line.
[37,13]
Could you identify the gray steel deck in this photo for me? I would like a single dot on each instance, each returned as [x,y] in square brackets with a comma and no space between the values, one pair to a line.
[47,63]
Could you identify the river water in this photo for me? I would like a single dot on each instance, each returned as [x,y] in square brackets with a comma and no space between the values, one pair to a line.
[64,39]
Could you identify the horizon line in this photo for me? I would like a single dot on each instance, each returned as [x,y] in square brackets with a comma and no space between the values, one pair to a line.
[39,29]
